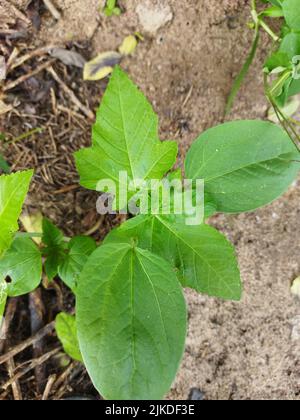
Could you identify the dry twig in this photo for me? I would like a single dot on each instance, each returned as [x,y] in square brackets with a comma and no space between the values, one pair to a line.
[52,9]
[14,62]
[27,76]
[37,310]
[48,387]
[71,94]
[16,389]
[32,365]
[27,343]
[19,14]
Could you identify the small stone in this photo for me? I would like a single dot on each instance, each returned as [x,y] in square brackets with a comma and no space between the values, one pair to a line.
[196,395]
[295,323]
[154,16]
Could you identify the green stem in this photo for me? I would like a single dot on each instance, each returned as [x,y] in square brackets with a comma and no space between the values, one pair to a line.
[35,235]
[26,135]
[28,235]
[280,82]
[240,78]
[284,121]
[269,31]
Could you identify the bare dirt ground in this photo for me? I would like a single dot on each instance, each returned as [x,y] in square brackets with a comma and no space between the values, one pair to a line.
[246,350]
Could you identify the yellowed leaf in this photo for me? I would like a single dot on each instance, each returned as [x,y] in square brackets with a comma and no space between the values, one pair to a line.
[101,66]
[33,223]
[129,45]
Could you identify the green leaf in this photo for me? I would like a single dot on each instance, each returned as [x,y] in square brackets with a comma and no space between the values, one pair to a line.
[204,259]
[282,94]
[117,11]
[108,12]
[3,299]
[66,330]
[125,138]
[279,59]
[245,164]
[294,88]
[23,264]
[53,239]
[80,248]
[13,190]
[4,166]
[274,2]
[274,12]
[290,45]
[131,319]
[291,11]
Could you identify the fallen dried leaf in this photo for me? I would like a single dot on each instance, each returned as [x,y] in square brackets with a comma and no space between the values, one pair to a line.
[69,58]
[129,45]
[101,66]
[33,223]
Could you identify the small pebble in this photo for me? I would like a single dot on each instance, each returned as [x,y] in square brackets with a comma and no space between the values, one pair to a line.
[152,17]
[196,395]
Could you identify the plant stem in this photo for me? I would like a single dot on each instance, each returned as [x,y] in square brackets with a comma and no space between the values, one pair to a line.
[240,78]
[284,121]
[28,235]
[35,235]
[279,82]
[26,135]
[243,73]
[269,31]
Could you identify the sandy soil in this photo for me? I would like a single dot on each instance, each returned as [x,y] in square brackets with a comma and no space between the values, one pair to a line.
[246,350]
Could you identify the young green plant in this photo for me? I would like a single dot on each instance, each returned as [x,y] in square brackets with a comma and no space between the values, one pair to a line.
[131,314]
[282,67]
[111,8]
[131,317]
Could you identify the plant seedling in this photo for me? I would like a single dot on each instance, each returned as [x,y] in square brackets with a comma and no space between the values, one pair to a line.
[282,67]
[111,8]
[131,317]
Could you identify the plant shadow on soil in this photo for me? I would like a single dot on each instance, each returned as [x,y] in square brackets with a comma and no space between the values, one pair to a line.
[246,350]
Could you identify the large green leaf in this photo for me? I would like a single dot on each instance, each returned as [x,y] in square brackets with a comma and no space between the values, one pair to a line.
[13,190]
[245,164]
[54,251]
[131,320]
[291,11]
[203,257]
[125,138]
[66,330]
[80,248]
[23,264]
